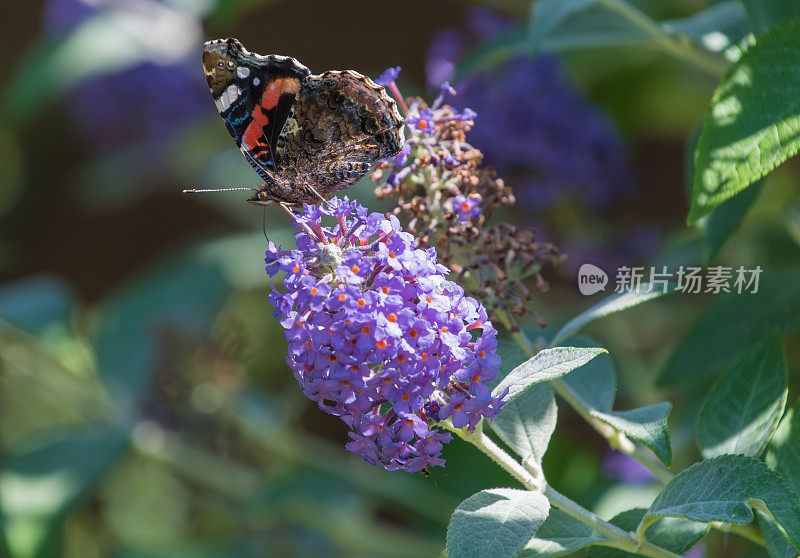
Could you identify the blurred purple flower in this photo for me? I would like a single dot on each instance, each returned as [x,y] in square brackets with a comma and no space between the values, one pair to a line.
[61,16]
[618,466]
[388,76]
[142,105]
[378,337]
[697,551]
[536,129]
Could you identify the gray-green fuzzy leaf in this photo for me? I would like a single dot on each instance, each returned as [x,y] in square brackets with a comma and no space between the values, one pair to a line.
[596,381]
[545,365]
[496,522]
[677,535]
[724,489]
[744,406]
[647,425]
[560,534]
[527,422]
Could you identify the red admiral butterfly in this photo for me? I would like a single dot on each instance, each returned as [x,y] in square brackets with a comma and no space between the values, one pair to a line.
[306,135]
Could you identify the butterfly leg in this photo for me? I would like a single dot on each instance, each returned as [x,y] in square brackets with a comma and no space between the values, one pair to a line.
[285,206]
[314,192]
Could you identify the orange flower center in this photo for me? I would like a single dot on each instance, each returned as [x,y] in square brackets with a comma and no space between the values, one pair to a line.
[366,330]
[392,318]
[381,344]
[355,269]
[313,290]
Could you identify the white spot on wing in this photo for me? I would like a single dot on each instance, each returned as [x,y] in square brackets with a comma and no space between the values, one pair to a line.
[243,72]
[228,97]
[256,81]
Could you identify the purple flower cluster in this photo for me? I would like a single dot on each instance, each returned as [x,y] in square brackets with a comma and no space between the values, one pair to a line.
[536,129]
[378,337]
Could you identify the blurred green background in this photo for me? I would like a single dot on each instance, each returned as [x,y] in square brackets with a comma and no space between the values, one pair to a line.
[145,407]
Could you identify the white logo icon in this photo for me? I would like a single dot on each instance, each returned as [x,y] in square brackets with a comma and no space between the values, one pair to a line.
[591,279]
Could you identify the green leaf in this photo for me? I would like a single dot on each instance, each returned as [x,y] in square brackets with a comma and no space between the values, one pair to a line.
[560,534]
[34,303]
[182,296]
[752,126]
[766,14]
[723,332]
[496,522]
[570,24]
[495,51]
[545,365]
[783,454]
[677,535]
[596,381]
[723,221]
[647,425]
[612,304]
[567,24]
[743,408]
[716,28]
[527,423]
[724,489]
[777,545]
[39,487]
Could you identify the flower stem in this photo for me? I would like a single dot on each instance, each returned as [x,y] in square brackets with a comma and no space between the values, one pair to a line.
[678,46]
[620,538]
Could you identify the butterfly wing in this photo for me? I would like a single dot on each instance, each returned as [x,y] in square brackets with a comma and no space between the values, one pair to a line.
[339,125]
[254,94]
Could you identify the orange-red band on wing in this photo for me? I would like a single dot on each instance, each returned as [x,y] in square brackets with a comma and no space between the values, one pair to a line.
[254,134]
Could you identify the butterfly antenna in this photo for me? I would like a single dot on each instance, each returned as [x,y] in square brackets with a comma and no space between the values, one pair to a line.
[201,190]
